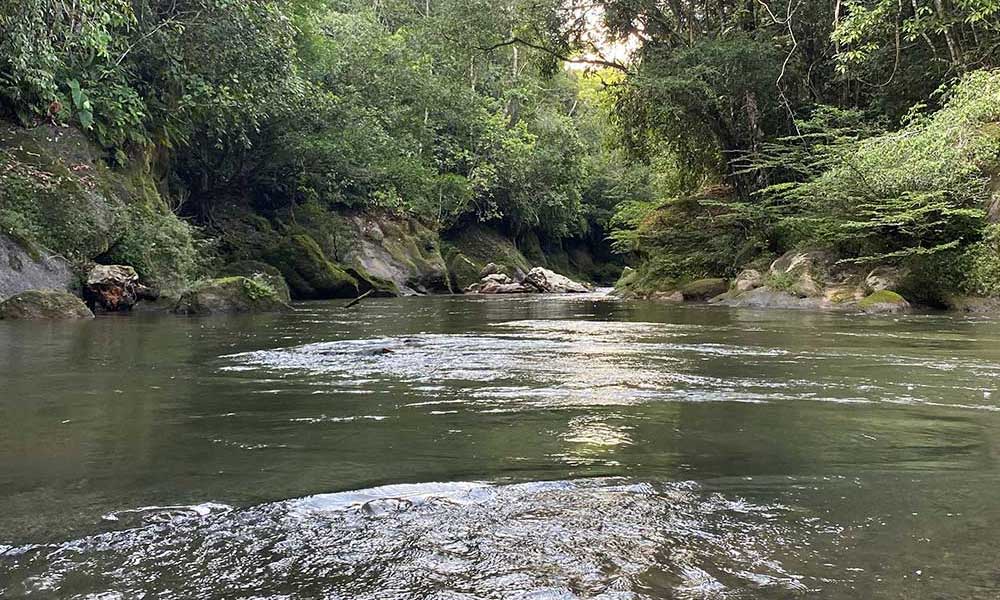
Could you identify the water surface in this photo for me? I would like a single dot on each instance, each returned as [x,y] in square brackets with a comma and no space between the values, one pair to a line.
[521,447]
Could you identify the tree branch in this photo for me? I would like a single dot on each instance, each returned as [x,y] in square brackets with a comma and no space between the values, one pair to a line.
[579,61]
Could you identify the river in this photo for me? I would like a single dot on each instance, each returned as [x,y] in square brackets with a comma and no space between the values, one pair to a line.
[485,447]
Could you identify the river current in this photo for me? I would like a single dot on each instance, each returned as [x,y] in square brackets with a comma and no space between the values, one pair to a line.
[539,447]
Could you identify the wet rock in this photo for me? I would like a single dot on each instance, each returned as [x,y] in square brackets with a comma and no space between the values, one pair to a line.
[115,288]
[843,294]
[260,272]
[884,302]
[22,269]
[44,305]
[704,289]
[229,295]
[748,279]
[548,282]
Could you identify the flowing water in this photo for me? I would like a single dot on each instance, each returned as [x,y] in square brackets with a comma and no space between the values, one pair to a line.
[522,447]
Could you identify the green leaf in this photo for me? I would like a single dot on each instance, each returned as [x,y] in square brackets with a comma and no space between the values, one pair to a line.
[86,119]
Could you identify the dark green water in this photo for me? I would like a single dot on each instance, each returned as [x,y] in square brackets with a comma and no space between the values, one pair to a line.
[542,447]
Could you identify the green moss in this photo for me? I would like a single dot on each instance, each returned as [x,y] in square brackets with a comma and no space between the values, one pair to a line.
[882,297]
[229,295]
[703,289]
[307,270]
[371,283]
[44,304]
[260,272]
[483,246]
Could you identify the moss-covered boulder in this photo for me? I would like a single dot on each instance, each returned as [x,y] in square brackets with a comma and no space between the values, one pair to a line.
[884,302]
[260,272]
[44,305]
[309,273]
[462,271]
[230,295]
[379,287]
[397,249]
[704,289]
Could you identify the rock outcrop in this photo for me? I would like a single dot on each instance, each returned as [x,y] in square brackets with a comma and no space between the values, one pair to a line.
[229,295]
[44,305]
[545,281]
[703,289]
[21,270]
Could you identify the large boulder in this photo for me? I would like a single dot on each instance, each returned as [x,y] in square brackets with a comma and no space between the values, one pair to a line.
[229,295]
[397,249]
[704,289]
[884,302]
[260,272]
[44,305]
[309,273]
[22,270]
[800,272]
[462,271]
[113,288]
[548,282]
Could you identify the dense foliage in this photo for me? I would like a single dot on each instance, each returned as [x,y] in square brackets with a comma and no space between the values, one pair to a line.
[728,133]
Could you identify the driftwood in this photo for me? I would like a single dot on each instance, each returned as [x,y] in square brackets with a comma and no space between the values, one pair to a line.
[359,299]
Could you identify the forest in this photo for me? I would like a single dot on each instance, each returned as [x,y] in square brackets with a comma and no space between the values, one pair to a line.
[689,140]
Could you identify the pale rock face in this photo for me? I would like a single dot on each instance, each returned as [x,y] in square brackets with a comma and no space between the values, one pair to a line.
[549,282]
[498,278]
[21,271]
[749,279]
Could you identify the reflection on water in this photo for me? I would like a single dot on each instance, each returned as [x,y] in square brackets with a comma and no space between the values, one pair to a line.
[589,448]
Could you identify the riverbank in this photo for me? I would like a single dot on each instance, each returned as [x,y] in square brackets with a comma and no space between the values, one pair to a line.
[67,215]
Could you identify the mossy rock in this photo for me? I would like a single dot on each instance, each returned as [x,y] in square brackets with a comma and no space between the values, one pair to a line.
[482,246]
[229,295]
[462,270]
[260,272]
[704,289]
[309,273]
[382,288]
[883,302]
[44,305]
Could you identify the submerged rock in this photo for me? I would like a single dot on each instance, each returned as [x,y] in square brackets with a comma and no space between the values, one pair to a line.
[113,288]
[44,305]
[230,295]
[548,282]
[884,302]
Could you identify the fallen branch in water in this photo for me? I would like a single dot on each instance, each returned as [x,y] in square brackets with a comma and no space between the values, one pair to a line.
[359,299]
